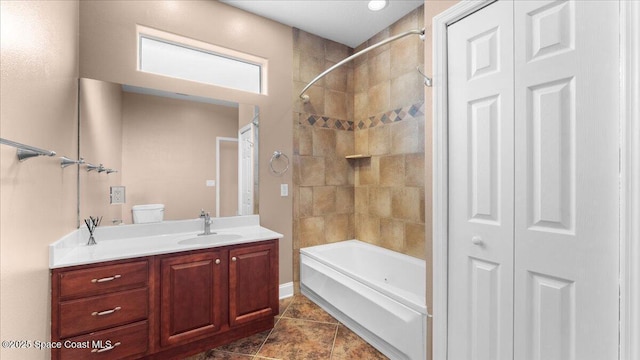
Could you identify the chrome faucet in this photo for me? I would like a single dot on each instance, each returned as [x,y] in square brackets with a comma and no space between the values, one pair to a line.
[207,223]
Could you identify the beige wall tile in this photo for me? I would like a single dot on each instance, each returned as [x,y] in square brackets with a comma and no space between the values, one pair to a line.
[380,202]
[414,169]
[360,106]
[335,104]
[392,169]
[415,240]
[392,234]
[337,79]
[310,67]
[311,170]
[361,77]
[405,203]
[316,100]
[336,170]
[379,98]
[345,143]
[336,52]
[368,228]
[380,140]
[305,201]
[311,231]
[296,65]
[405,137]
[345,199]
[367,171]
[309,44]
[336,227]
[382,35]
[405,56]
[361,138]
[305,140]
[361,199]
[324,141]
[379,67]
[406,89]
[324,200]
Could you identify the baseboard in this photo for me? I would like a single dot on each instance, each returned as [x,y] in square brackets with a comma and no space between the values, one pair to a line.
[286,290]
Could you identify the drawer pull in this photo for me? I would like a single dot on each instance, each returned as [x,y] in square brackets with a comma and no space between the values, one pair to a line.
[110,278]
[106,312]
[108,348]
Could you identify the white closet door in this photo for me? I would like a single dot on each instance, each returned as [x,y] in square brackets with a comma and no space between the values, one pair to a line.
[566,227]
[480,51]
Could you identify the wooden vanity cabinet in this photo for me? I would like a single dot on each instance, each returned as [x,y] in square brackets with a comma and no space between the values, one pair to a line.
[165,306]
[253,283]
[101,311]
[192,296]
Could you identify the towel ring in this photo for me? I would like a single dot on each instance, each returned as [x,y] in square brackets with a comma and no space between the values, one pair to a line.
[276,155]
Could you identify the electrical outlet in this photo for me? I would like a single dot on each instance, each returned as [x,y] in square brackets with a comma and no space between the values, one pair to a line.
[117,195]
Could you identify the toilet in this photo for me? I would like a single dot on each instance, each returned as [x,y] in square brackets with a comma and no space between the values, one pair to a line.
[150,213]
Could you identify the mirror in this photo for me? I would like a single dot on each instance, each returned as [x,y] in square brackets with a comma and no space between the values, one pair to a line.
[144,146]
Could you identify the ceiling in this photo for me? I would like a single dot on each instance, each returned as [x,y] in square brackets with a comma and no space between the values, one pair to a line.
[348,22]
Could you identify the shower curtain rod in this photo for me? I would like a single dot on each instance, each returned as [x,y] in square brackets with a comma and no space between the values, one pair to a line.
[305,98]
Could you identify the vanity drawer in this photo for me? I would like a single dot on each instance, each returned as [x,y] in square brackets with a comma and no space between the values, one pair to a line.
[103,279]
[100,312]
[124,341]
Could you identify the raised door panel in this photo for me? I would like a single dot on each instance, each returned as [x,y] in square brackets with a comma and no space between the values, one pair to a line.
[253,283]
[566,175]
[481,185]
[191,297]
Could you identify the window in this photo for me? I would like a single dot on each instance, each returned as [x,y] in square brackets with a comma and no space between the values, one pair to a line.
[188,59]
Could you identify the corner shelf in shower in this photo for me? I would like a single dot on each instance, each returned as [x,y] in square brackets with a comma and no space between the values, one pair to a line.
[358,156]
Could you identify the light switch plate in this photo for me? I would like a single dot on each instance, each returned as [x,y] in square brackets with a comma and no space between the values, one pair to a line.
[210,183]
[284,189]
[117,195]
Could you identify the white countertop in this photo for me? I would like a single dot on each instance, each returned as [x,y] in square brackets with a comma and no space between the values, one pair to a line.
[131,241]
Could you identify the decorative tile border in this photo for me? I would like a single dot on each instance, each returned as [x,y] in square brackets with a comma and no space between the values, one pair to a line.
[325,122]
[405,113]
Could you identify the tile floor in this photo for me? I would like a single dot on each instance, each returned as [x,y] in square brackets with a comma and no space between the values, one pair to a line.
[303,331]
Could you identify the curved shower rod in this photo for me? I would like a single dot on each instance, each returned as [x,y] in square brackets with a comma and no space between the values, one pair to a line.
[305,98]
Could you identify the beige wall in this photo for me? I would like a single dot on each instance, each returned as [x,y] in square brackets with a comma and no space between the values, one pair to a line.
[38,94]
[100,143]
[108,52]
[169,151]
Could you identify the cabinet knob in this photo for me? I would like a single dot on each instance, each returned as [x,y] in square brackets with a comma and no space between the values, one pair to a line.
[477,240]
[217,261]
[234,259]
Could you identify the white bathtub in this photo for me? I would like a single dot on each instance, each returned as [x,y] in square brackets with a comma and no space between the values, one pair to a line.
[378,293]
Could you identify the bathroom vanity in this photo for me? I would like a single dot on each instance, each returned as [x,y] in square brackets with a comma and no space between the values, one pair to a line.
[181,297]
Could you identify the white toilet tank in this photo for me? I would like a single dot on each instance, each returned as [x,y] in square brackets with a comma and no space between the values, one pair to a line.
[149,213]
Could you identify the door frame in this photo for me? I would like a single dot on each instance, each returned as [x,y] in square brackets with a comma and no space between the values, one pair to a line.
[629,124]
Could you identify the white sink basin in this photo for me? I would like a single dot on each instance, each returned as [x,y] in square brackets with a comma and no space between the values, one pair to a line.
[208,239]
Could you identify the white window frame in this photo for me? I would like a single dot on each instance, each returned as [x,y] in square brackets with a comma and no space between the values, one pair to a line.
[158,35]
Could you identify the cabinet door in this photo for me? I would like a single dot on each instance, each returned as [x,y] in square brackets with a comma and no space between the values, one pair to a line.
[253,283]
[192,296]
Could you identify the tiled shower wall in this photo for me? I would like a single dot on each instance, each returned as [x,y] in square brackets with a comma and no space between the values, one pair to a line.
[323,191]
[389,126]
[371,106]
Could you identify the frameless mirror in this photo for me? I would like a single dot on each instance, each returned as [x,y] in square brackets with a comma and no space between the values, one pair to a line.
[144,146]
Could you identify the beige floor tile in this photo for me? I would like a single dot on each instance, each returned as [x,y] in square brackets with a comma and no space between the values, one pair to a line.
[295,339]
[304,309]
[349,346]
